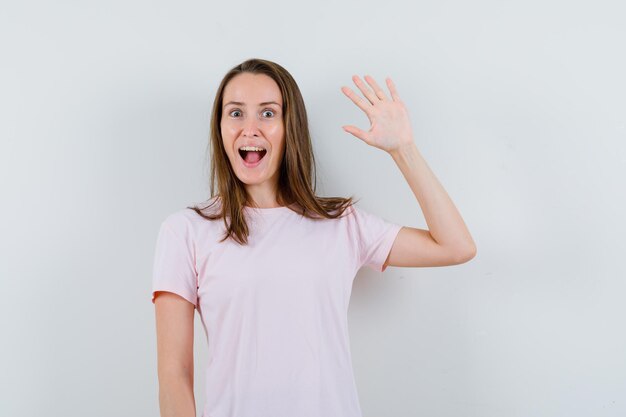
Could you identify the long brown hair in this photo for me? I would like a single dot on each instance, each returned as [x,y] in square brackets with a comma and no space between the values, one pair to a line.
[297,179]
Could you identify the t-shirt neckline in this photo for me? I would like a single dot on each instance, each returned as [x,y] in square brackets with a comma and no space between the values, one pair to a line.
[268,210]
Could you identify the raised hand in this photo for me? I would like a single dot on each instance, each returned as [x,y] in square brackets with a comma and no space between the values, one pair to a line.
[390,126]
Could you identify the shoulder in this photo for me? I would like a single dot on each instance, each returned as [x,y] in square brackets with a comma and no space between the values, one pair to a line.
[177,222]
[184,222]
[354,213]
[366,221]
[179,217]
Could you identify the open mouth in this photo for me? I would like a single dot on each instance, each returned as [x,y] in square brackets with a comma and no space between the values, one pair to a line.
[252,158]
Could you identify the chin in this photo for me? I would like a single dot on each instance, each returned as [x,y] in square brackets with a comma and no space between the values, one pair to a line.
[252,181]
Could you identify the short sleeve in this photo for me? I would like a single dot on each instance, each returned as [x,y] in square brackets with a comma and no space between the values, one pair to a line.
[375,238]
[174,262]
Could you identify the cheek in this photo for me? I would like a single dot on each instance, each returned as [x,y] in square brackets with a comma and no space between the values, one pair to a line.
[276,131]
[226,130]
[227,143]
[228,125]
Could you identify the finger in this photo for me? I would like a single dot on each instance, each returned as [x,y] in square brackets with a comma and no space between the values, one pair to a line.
[392,89]
[379,91]
[365,90]
[355,131]
[363,105]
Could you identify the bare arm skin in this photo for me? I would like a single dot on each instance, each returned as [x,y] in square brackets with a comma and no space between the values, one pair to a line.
[448,240]
[174,328]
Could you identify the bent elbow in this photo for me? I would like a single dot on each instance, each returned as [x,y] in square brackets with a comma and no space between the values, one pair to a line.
[466,255]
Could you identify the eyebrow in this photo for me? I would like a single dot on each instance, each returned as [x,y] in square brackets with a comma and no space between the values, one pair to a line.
[238,103]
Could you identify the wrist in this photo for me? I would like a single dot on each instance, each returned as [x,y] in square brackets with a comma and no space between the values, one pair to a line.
[403,150]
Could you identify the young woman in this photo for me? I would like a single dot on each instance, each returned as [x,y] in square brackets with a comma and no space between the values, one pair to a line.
[269,265]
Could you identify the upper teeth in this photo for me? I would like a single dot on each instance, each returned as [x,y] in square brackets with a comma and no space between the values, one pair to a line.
[251,148]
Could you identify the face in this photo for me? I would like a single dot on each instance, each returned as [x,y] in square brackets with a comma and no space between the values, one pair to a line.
[252,116]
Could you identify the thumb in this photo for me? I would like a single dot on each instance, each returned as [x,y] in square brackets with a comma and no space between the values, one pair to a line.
[355,131]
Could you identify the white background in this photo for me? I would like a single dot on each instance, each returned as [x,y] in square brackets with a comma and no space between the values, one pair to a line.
[518,107]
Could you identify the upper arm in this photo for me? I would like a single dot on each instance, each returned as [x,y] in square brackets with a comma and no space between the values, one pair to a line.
[416,247]
[174,328]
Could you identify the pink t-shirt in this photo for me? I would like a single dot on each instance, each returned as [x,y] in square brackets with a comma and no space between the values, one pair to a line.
[274,311]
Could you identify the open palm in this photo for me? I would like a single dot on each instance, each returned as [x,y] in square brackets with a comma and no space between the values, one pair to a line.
[390,126]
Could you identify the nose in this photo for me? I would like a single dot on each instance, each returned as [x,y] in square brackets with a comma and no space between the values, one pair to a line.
[250,127]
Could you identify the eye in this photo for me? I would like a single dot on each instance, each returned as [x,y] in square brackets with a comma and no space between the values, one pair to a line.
[268,110]
[234,111]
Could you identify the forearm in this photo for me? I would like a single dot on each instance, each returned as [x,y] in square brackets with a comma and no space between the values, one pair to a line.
[445,224]
[176,397]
